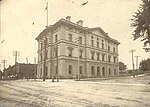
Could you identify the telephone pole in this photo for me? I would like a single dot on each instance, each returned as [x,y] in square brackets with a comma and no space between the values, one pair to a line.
[15,53]
[131,51]
[27,68]
[35,69]
[57,63]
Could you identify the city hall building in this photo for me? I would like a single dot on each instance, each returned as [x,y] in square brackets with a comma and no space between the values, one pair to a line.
[69,49]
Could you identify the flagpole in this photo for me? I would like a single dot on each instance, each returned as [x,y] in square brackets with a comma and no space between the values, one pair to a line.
[47,13]
[45,46]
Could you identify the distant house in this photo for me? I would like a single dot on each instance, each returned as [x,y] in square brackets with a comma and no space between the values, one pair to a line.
[20,71]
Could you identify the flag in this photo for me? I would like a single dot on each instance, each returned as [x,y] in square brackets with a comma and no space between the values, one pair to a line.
[45,9]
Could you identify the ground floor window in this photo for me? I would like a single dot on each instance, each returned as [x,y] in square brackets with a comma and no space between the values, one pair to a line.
[103,71]
[70,69]
[80,69]
[98,71]
[41,72]
[115,73]
[92,70]
[46,71]
[109,71]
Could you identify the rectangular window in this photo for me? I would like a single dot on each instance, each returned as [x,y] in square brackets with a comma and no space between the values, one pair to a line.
[102,45]
[80,56]
[98,56]
[80,40]
[70,53]
[56,38]
[114,50]
[103,57]
[92,55]
[109,59]
[97,42]
[108,48]
[70,37]
[114,59]
[92,41]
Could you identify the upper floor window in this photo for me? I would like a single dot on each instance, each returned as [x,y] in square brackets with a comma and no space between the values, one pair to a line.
[80,53]
[92,41]
[103,57]
[109,58]
[56,38]
[108,48]
[97,42]
[98,56]
[92,55]
[114,59]
[70,37]
[80,40]
[114,50]
[70,49]
[55,52]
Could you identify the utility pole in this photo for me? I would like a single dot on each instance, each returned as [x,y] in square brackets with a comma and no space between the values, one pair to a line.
[57,63]
[27,68]
[78,58]
[15,53]
[35,68]
[4,63]
[131,51]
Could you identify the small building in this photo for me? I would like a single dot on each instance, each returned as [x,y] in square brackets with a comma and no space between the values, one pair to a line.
[20,71]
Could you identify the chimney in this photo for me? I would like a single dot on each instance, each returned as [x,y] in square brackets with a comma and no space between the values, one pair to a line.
[68,18]
[80,22]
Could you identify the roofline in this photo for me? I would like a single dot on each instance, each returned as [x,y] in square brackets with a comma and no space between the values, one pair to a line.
[76,25]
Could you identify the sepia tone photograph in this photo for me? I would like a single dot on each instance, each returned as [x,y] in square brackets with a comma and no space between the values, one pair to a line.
[74,53]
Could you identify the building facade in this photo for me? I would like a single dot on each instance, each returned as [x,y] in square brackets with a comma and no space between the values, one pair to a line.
[21,71]
[69,49]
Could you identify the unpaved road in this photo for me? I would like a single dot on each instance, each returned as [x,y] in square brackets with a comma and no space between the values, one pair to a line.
[68,93]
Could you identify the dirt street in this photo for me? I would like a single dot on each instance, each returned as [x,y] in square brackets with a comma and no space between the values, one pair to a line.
[121,92]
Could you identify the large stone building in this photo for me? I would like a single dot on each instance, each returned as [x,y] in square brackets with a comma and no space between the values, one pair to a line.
[70,44]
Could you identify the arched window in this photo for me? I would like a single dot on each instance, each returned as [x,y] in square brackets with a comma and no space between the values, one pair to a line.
[103,71]
[98,71]
[115,73]
[80,69]
[70,69]
[109,71]
[92,70]
[46,71]
[41,72]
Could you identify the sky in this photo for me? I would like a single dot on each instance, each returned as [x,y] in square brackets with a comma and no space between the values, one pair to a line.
[19,33]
